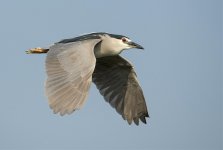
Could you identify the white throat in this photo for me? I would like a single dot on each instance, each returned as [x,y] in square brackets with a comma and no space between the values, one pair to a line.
[109,47]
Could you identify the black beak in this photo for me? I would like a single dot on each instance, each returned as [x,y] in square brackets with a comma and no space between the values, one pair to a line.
[135,45]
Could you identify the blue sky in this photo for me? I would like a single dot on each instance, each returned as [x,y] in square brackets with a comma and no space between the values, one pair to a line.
[180,71]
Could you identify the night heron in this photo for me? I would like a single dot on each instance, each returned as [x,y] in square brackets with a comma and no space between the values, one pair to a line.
[72,64]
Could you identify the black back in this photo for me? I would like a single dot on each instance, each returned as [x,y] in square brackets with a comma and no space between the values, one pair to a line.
[90,36]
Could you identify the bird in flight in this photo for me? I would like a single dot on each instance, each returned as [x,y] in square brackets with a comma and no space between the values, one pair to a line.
[72,64]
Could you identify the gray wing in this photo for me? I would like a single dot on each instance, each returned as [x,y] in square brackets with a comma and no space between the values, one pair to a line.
[69,68]
[116,80]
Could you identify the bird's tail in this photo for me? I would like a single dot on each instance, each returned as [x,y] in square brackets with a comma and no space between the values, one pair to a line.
[37,50]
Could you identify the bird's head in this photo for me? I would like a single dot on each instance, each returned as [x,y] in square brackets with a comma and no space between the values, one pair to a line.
[124,42]
[113,44]
[118,43]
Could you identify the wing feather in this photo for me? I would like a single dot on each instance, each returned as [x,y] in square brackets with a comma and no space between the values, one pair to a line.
[116,80]
[69,68]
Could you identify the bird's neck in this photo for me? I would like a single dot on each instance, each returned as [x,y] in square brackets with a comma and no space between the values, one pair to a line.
[101,50]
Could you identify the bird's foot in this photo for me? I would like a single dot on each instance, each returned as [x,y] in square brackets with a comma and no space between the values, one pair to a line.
[37,50]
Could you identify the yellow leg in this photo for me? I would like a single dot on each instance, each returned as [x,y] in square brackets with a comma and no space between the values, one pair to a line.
[37,50]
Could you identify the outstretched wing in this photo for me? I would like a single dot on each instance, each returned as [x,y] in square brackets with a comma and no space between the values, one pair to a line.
[116,80]
[69,68]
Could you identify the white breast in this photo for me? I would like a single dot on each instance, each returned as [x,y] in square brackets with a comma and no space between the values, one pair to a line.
[108,47]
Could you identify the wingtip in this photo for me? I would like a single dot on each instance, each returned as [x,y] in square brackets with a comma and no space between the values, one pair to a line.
[136,121]
[143,119]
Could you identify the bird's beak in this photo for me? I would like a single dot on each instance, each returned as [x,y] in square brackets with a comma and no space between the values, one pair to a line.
[135,45]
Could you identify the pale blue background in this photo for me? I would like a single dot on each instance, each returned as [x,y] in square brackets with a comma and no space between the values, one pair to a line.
[180,72]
